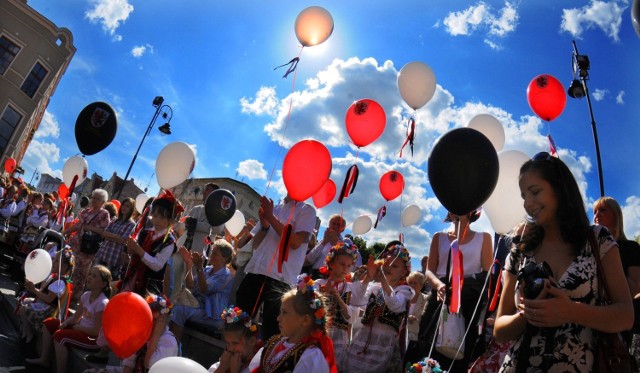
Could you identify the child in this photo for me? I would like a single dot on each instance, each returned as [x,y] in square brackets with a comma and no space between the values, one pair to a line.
[149,254]
[337,291]
[82,328]
[240,334]
[33,310]
[417,306]
[376,346]
[303,345]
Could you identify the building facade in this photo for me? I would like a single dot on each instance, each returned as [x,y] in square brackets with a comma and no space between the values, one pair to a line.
[247,199]
[34,54]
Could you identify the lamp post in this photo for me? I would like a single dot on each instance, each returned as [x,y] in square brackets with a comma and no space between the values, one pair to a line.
[579,89]
[35,175]
[163,111]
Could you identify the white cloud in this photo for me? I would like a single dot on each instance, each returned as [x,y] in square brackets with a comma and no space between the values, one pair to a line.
[110,13]
[139,50]
[466,21]
[49,127]
[319,110]
[265,102]
[620,98]
[631,215]
[599,94]
[606,16]
[40,155]
[252,169]
[480,18]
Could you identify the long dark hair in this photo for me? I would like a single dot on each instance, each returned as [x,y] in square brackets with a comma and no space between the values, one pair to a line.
[122,217]
[571,213]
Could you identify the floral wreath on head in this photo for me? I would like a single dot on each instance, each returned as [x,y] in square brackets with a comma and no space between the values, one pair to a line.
[397,251]
[427,365]
[306,287]
[159,303]
[345,247]
[233,314]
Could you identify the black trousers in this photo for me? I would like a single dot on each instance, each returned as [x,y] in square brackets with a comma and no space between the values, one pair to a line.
[260,289]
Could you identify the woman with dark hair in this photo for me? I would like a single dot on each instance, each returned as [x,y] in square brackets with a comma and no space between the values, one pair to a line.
[112,251]
[558,323]
[153,247]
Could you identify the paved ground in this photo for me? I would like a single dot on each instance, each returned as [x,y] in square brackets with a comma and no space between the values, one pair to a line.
[11,356]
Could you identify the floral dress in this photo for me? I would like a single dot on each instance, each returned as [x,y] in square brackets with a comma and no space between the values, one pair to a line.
[571,348]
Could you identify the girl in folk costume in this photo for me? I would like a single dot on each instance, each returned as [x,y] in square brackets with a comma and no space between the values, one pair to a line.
[81,329]
[337,291]
[377,345]
[240,335]
[45,300]
[150,252]
[302,345]
[161,343]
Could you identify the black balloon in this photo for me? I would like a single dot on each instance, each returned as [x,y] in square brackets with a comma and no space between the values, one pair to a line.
[96,127]
[463,170]
[219,207]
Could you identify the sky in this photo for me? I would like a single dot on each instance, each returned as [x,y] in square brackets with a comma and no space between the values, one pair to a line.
[213,62]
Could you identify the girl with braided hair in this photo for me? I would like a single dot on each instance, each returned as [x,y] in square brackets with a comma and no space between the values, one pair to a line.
[337,289]
[302,345]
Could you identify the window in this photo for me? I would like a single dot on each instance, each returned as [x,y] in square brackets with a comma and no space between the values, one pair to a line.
[33,81]
[8,51]
[8,123]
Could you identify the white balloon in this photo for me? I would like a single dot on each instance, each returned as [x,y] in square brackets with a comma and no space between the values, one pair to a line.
[236,223]
[175,364]
[141,200]
[174,164]
[362,225]
[505,208]
[75,165]
[417,84]
[37,266]
[313,26]
[411,215]
[489,126]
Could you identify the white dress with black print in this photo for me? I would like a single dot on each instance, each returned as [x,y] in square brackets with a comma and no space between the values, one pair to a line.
[572,343]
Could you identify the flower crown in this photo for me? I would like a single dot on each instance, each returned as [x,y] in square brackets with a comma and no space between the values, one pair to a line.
[159,303]
[397,251]
[427,365]
[345,247]
[235,315]
[306,287]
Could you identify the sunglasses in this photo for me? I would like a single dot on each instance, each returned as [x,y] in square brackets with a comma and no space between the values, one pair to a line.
[542,156]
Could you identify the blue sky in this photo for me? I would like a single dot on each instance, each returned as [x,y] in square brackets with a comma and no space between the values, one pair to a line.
[213,63]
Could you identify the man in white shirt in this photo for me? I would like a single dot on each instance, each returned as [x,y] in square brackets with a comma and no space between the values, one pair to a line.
[316,257]
[264,283]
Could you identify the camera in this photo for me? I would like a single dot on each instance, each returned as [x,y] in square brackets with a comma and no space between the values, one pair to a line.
[532,277]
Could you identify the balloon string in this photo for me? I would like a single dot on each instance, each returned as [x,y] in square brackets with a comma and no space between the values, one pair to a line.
[286,125]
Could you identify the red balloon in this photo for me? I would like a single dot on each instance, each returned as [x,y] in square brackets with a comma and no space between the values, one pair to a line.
[10,165]
[127,323]
[63,191]
[325,195]
[305,169]
[116,203]
[365,121]
[546,96]
[391,185]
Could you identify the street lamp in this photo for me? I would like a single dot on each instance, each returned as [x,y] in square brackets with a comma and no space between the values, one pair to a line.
[579,89]
[163,111]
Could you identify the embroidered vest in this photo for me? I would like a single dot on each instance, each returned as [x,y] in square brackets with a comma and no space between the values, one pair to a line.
[286,363]
[145,278]
[337,320]
[376,308]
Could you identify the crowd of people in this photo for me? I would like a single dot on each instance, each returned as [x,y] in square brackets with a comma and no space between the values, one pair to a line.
[544,313]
